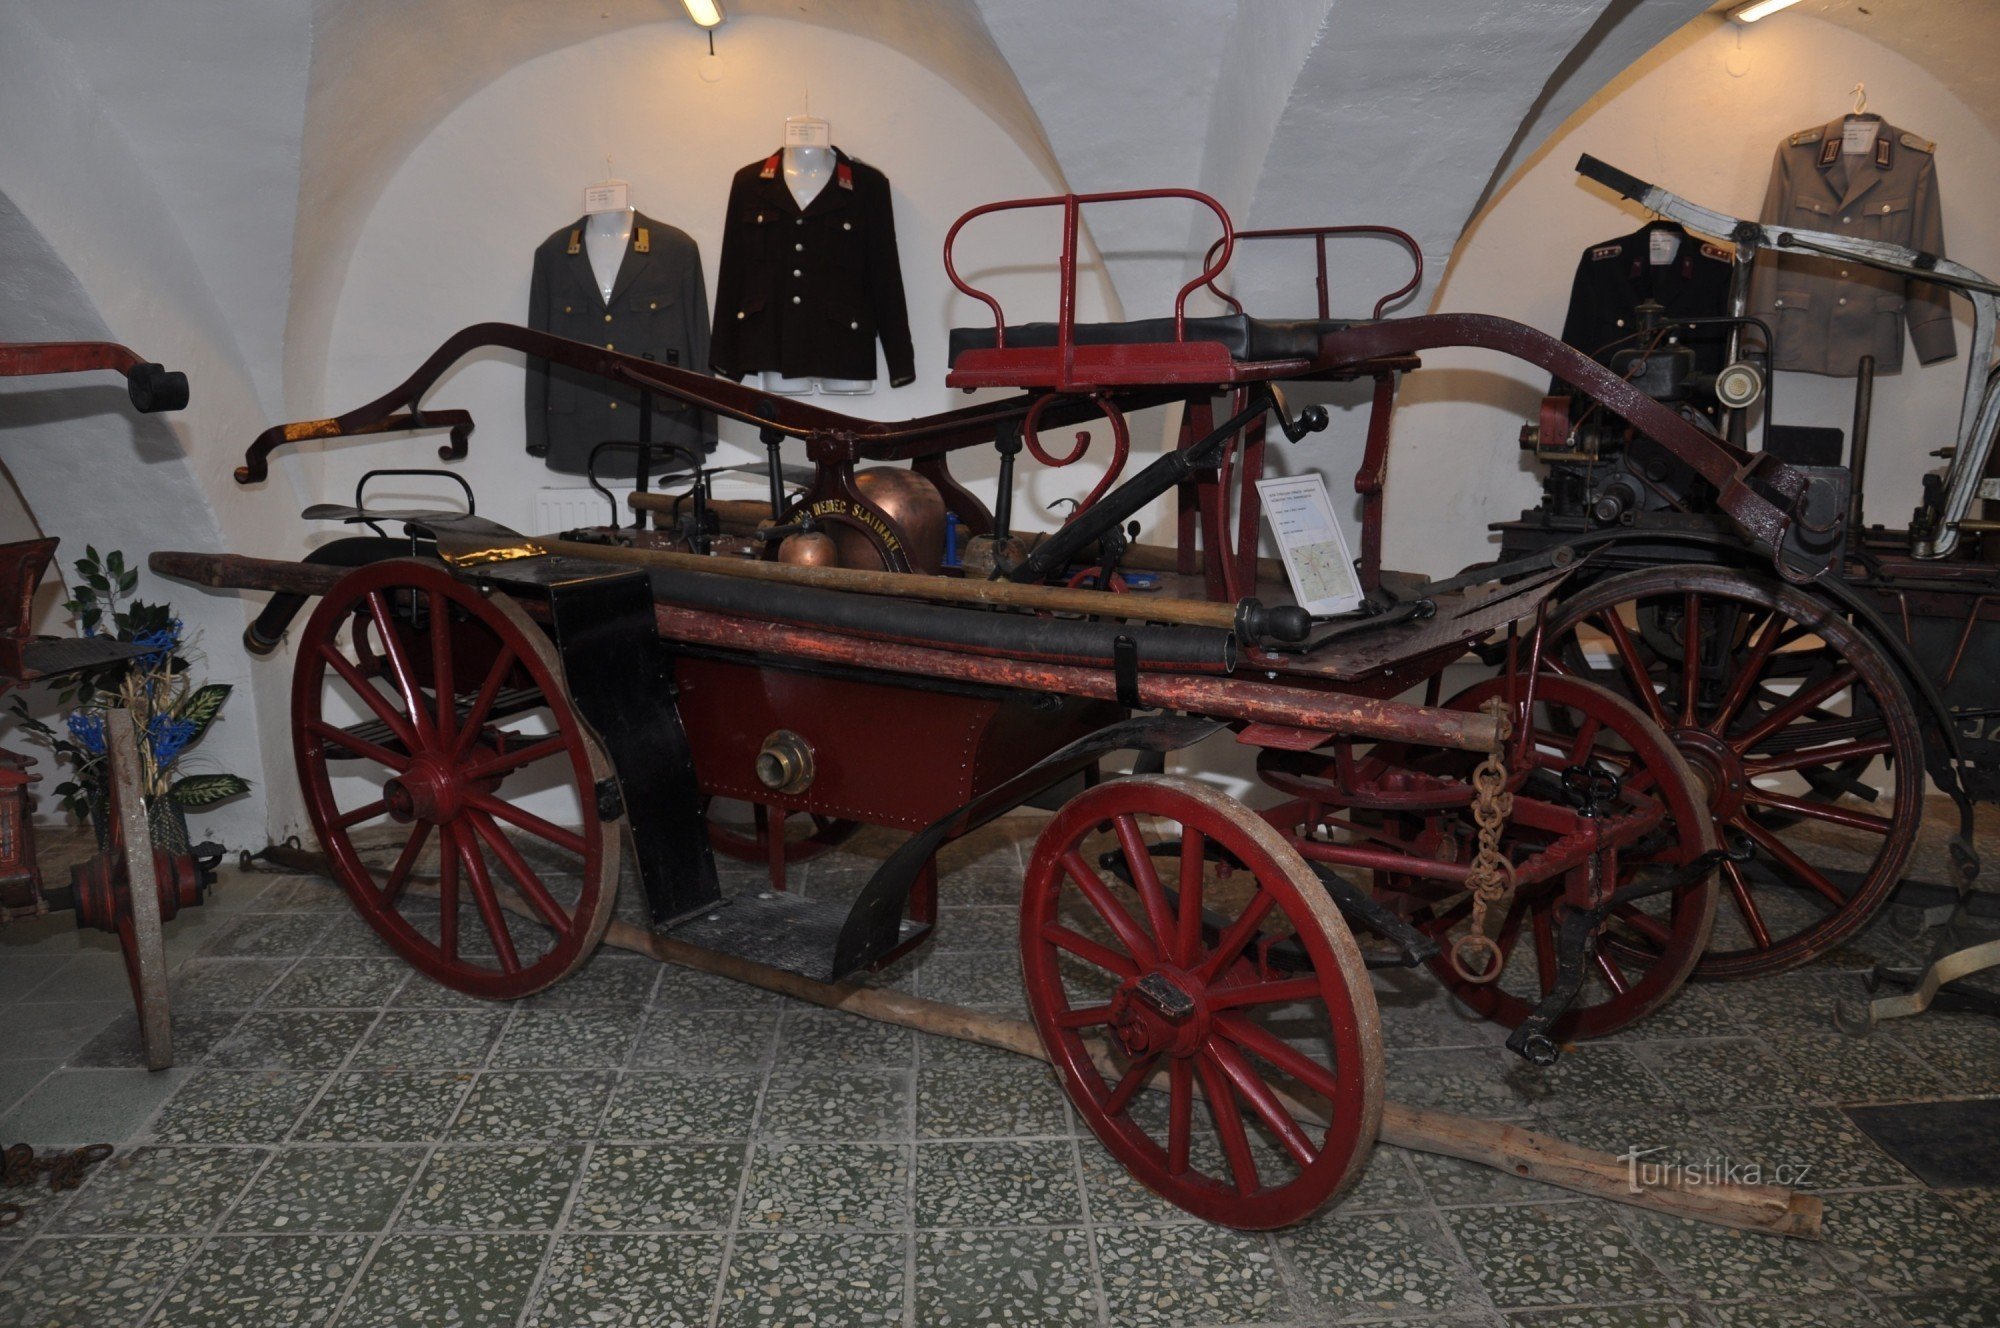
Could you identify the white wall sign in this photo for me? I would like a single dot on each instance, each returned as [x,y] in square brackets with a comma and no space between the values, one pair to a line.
[1311,542]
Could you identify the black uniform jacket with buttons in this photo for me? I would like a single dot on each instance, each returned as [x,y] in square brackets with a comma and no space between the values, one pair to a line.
[658,309]
[1615,277]
[806,293]
[1827,314]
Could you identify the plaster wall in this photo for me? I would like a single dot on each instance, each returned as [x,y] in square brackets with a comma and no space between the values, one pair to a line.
[1701,115]
[451,241]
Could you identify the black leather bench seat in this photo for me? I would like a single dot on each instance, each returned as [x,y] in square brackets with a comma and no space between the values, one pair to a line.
[1248,340]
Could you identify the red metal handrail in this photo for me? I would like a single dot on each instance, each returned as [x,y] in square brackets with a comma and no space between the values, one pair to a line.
[1070,204]
[1318,236]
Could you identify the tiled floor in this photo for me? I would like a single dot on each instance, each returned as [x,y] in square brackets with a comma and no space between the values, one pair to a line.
[346,1143]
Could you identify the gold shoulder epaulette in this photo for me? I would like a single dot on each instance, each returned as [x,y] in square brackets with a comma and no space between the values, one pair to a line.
[1716,251]
[642,241]
[1920,144]
[576,240]
[1805,136]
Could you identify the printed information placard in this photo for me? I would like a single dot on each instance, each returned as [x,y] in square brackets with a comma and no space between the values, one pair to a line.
[1311,543]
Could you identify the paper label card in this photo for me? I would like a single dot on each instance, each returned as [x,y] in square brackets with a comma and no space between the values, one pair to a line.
[1310,541]
[806,132]
[610,196]
[1666,247]
[1857,138]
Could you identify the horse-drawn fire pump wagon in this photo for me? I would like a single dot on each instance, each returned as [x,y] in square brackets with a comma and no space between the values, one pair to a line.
[485,720]
[1889,656]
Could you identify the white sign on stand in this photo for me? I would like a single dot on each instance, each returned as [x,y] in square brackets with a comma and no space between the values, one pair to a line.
[1312,544]
[607,196]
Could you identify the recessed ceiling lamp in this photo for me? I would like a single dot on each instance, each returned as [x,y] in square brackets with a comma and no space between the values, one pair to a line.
[708,13]
[1743,14]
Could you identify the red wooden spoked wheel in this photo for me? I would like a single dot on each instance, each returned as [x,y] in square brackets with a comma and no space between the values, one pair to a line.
[1653,818]
[1224,974]
[423,713]
[1784,710]
[741,831]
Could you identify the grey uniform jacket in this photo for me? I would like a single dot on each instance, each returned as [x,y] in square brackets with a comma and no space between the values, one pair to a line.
[1827,314]
[658,309]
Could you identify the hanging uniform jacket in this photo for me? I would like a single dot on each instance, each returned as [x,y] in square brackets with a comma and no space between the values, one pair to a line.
[1615,277]
[1827,314]
[658,309]
[807,293]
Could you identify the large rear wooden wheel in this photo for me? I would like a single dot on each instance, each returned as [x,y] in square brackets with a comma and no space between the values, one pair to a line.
[1781,705]
[425,714]
[1223,974]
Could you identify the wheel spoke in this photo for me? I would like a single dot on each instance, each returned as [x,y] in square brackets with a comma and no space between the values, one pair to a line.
[525,880]
[1802,702]
[1244,1077]
[482,704]
[367,811]
[1263,993]
[1089,951]
[1816,757]
[1586,738]
[361,747]
[1288,1059]
[441,670]
[1748,673]
[1194,862]
[1090,1016]
[1607,968]
[1821,811]
[448,893]
[488,901]
[1146,881]
[374,700]
[528,821]
[1753,919]
[501,763]
[1129,1083]
[399,875]
[1635,667]
[1690,658]
[1228,1124]
[398,656]
[1180,1115]
[1100,897]
[1645,924]
[1800,870]
[1239,934]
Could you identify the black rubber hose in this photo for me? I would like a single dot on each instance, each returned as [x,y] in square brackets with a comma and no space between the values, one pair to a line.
[976,631]
[268,631]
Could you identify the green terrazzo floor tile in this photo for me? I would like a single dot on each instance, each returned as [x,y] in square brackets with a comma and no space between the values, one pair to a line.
[836,1104]
[1030,1182]
[430,1040]
[292,1040]
[94,1284]
[160,1190]
[466,1281]
[506,1106]
[1377,1263]
[379,1106]
[521,1187]
[650,1106]
[1195,1274]
[677,1039]
[564,1039]
[658,1187]
[791,1277]
[828,1185]
[326,1189]
[236,1106]
[269,1281]
[1018,1276]
[1554,1254]
[628,1281]
[989,1099]
[360,984]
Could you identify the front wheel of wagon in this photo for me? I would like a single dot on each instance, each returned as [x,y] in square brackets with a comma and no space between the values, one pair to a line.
[1171,940]
[451,783]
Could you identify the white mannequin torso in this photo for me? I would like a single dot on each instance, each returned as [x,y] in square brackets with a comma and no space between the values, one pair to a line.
[807,169]
[606,237]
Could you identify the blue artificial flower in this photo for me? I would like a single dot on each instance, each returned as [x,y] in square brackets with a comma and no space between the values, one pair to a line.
[87,727]
[169,737]
[160,644]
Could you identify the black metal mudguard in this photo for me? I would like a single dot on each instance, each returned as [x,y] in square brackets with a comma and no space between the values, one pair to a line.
[871,930]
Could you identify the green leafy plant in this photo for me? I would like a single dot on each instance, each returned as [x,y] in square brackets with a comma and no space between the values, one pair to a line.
[171,711]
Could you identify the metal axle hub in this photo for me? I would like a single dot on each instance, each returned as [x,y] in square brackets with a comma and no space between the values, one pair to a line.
[1160,1011]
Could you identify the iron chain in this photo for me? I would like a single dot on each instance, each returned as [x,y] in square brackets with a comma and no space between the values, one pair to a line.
[1476,955]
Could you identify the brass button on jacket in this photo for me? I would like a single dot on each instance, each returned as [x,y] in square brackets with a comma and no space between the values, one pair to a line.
[807,293]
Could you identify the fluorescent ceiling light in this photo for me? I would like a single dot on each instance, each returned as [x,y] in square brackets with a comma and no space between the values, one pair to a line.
[1746,14]
[708,13]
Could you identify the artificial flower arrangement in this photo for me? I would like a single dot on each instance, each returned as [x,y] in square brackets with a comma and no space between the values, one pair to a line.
[168,708]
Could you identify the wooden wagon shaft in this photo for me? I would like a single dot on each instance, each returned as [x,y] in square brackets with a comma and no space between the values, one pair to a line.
[1294,707]
[902,585]
[1770,1209]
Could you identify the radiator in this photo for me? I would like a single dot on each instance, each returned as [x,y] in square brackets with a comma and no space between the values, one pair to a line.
[568,508]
